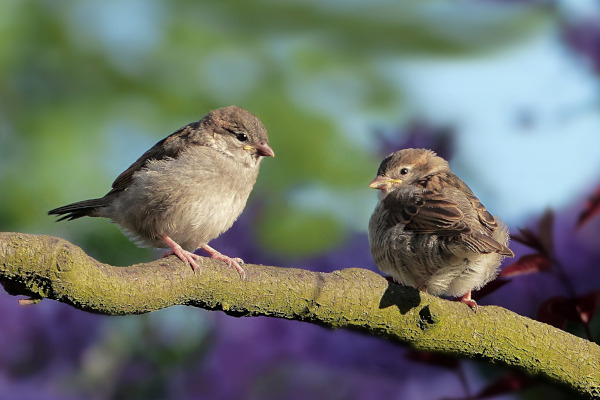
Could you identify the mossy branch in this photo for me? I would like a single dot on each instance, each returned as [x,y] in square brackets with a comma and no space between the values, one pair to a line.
[52,268]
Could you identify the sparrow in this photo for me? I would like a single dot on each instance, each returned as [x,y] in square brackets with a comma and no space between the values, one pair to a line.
[430,231]
[188,188]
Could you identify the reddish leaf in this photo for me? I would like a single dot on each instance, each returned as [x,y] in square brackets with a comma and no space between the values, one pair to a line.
[527,264]
[530,239]
[586,306]
[557,310]
[591,208]
[435,359]
[509,383]
[488,289]
[549,313]
[546,231]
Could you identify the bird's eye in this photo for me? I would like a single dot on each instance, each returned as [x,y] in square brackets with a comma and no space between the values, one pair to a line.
[404,171]
[242,137]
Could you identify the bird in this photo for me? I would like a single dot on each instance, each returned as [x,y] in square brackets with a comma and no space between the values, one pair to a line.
[429,231]
[188,188]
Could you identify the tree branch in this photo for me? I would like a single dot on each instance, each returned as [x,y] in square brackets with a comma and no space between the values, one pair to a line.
[358,299]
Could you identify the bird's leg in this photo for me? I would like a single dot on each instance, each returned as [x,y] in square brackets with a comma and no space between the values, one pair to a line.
[469,301]
[229,260]
[184,255]
[421,287]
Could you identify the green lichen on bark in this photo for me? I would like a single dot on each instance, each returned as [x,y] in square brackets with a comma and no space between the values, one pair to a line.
[358,299]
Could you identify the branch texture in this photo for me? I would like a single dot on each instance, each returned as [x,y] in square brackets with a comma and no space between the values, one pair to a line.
[358,299]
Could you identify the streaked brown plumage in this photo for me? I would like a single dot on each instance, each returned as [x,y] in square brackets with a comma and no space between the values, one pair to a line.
[430,231]
[188,188]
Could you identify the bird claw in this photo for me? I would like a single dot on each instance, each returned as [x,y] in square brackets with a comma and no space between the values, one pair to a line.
[184,255]
[235,262]
[469,301]
[231,261]
[189,257]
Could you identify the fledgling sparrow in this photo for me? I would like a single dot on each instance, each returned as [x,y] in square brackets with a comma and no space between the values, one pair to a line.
[430,231]
[188,188]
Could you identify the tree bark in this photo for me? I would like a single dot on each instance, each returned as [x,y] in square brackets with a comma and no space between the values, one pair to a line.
[45,267]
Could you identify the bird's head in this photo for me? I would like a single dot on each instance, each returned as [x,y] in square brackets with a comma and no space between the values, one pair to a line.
[239,132]
[406,167]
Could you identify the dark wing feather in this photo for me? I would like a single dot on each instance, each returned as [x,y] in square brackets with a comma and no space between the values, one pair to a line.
[80,209]
[423,211]
[168,147]
[486,219]
[480,243]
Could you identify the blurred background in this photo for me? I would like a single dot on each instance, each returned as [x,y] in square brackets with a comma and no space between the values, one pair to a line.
[508,91]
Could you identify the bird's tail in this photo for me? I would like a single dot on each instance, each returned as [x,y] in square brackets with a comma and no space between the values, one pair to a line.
[85,208]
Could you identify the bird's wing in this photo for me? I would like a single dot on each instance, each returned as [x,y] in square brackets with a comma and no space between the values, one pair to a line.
[484,215]
[423,211]
[168,147]
[481,243]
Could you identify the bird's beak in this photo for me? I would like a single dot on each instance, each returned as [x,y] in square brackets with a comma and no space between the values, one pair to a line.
[383,182]
[261,149]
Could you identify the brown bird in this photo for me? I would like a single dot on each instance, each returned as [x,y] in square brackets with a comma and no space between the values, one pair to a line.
[430,231]
[188,188]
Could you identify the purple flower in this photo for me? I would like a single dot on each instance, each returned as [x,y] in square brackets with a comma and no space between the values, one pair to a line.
[418,133]
[584,38]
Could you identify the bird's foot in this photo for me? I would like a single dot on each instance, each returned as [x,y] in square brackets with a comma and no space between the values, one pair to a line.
[231,261]
[184,255]
[469,301]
